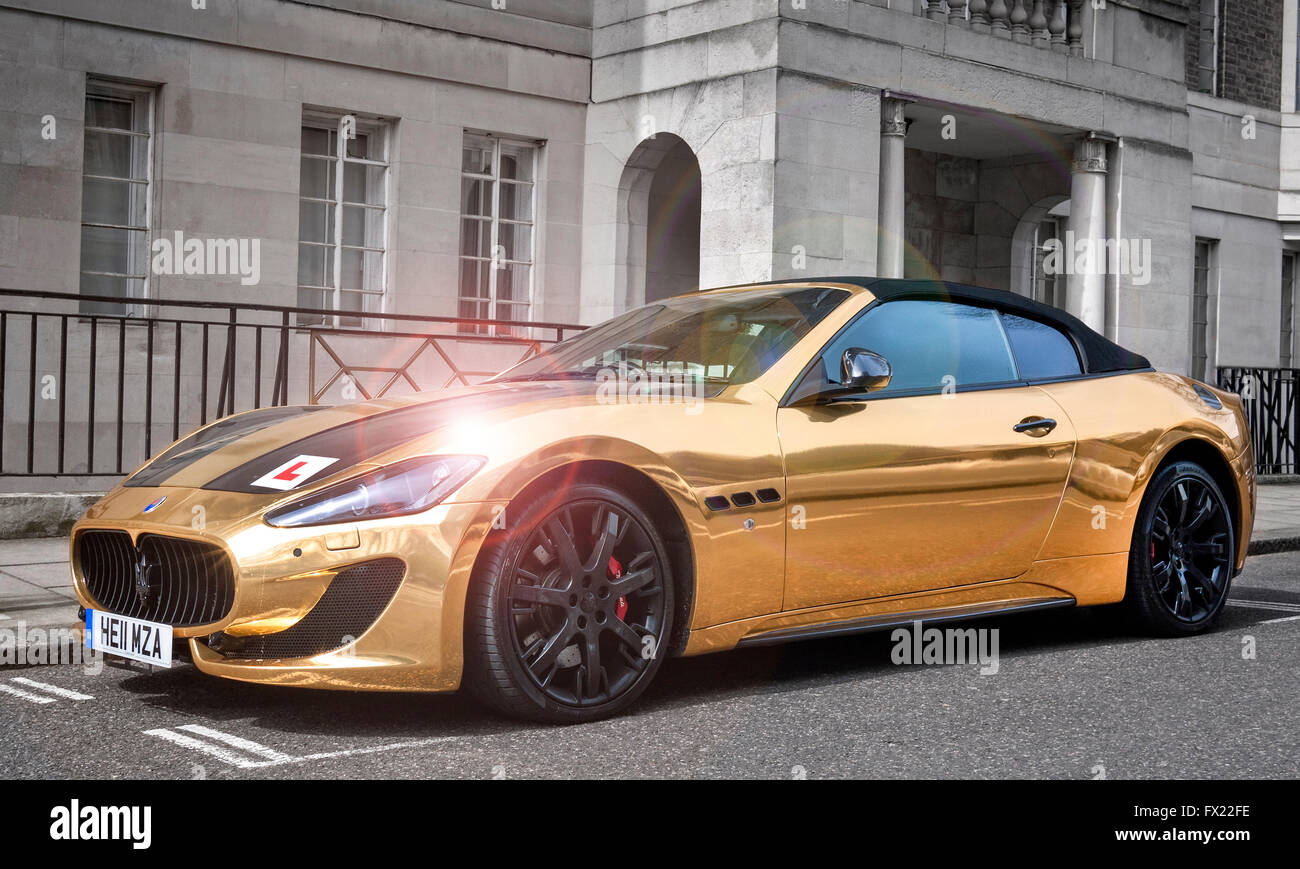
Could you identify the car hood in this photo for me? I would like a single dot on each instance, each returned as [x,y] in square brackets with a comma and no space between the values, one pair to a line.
[317,443]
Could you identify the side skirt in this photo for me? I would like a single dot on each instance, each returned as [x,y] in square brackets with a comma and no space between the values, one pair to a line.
[901,619]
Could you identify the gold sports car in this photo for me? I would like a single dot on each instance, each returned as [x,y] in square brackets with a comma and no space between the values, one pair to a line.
[734,467]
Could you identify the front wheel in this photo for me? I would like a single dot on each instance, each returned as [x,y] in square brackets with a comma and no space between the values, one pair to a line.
[569,608]
[1183,552]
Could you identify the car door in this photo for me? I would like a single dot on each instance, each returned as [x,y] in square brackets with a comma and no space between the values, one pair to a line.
[950,475]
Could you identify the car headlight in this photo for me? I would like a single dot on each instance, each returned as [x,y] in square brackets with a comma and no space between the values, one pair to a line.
[396,490]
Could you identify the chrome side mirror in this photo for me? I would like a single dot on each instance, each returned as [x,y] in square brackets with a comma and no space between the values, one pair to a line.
[863,371]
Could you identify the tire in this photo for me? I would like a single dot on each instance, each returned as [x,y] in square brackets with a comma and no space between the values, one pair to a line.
[1182,555]
[556,631]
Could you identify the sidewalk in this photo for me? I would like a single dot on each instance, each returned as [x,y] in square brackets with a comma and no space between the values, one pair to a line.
[36,587]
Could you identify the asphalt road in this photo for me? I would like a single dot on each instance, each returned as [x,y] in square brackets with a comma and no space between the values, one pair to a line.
[1075,697]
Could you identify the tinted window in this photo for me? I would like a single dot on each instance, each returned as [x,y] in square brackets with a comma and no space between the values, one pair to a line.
[926,342]
[1042,351]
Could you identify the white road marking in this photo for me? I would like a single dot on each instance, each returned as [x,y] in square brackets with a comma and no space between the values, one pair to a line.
[1286,619]
[207,748]
[1264,605]
[271,757]
[65,693]
[9,689]
[238,742]
[374,749]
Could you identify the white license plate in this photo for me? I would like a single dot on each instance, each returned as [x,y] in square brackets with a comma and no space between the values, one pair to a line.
[129,638]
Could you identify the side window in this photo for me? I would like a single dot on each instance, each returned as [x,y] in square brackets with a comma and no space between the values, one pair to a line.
[1042,351]
[929,345]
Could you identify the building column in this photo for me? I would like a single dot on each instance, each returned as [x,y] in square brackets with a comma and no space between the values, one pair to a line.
[889,223]
[1085,285]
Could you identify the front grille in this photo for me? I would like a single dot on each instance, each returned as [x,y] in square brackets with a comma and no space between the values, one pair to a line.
[354,600]
[160,579]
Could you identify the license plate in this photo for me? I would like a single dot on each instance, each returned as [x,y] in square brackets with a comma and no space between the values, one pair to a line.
[129,638]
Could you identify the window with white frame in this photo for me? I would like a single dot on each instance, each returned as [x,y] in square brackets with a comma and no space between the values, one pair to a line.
[497,228]
[117,157]
[1048,285]
[342,218]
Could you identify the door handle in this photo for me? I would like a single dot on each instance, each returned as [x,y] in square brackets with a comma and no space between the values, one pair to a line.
[1035,426]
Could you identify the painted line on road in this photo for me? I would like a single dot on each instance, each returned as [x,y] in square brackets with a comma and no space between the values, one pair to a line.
[1277,621]
[18,692]
[217,751]
[374,749]
[65,693]
[264,756]
[1280,606]
[238,742]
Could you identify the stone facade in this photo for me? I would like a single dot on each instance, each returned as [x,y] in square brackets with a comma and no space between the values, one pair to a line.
[769,119]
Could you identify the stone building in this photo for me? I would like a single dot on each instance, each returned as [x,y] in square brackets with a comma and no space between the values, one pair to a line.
[562,160]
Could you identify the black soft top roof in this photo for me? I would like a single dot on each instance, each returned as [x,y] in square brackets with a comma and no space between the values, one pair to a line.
[1098,354]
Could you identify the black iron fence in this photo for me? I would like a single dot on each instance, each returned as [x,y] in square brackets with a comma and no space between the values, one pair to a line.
[95,394]
[1270,396]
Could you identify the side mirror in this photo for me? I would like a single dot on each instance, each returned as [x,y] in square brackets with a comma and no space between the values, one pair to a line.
[863,371]
[860,371]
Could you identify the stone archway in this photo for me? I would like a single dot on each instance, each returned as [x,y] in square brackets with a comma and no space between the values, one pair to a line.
[658,221]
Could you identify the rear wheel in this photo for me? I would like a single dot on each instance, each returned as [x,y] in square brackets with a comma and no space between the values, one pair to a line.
[569,608]
[1181,560]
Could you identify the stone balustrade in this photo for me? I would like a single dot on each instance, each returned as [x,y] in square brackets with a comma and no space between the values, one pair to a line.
[1052,24]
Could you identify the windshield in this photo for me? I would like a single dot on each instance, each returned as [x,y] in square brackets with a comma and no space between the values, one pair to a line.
[722,339]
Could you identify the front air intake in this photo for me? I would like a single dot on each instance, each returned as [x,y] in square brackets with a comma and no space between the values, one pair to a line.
[353,602]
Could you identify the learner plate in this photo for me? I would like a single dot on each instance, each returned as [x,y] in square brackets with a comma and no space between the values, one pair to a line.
[136,639]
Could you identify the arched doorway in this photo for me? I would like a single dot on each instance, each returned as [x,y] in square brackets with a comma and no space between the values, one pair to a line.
[659,232]
[1044,221]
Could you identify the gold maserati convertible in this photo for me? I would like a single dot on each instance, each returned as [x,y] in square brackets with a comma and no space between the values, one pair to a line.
[735,467]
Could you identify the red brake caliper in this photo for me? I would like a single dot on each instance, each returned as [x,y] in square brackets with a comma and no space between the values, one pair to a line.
[616,572]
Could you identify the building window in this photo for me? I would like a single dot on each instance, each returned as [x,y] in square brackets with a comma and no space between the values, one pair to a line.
[1048,287]
[497,225]
[115,194]
[342,218]
[1287,337]
[1201,286]
[1207,47]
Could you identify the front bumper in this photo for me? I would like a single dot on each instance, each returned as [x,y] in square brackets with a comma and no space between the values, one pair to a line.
[415,643]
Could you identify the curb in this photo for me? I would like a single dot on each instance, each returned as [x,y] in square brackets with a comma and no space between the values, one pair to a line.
[1272,545]
[40,514]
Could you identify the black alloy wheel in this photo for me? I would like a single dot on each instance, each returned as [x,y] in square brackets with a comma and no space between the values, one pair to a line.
[572,610]
[1183,554]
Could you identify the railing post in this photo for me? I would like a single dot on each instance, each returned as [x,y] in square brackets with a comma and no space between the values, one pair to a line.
[279,390]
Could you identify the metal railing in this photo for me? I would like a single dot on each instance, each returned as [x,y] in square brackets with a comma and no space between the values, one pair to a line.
[1270,397]
[94,394]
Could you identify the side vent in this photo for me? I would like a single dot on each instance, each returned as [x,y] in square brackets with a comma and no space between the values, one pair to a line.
[769,496]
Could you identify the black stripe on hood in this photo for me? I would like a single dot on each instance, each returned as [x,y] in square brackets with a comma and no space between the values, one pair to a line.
[208,440]
[360,440]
